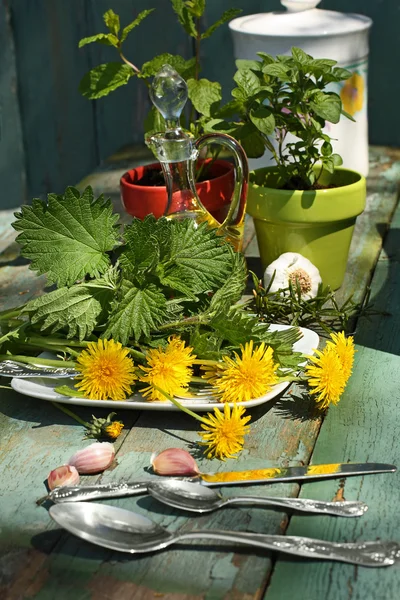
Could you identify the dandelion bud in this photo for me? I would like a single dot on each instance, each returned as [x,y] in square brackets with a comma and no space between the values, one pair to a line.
[65,475]
[93,459]
[174,461]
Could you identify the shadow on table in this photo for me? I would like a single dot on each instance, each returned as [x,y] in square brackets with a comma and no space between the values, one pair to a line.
[380,331]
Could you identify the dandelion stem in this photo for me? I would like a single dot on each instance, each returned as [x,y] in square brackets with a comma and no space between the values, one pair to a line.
[178,404]
[71,414]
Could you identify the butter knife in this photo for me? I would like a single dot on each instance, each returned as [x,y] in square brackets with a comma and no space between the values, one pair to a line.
[271,475]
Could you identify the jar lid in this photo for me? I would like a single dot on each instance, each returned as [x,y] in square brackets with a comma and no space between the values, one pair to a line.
[301,19]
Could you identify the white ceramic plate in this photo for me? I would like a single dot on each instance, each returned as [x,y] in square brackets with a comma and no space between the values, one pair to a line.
[44,388]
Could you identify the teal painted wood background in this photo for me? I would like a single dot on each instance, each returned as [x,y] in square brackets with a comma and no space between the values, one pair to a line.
[51,137]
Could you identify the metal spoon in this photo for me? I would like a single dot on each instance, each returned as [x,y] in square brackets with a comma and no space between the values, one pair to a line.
[198,498]
[126,531]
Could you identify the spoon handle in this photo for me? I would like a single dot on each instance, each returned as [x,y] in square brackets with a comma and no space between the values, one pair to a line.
[367,554]
[79,493]
[346,508]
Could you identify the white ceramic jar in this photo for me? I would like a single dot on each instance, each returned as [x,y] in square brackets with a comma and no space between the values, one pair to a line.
[322,34]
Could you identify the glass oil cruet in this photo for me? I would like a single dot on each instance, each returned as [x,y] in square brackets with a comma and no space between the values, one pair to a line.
[177,153]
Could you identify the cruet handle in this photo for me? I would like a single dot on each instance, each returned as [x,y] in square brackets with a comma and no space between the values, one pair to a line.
[237,208]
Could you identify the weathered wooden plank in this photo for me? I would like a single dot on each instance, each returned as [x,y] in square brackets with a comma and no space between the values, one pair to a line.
[58,125]
[365,426]
[12,159]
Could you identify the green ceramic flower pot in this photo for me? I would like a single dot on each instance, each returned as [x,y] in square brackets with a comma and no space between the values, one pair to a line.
[317,224]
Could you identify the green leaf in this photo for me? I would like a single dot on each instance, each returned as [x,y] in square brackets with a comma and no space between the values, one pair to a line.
[263,119]
[112,21]
[327,105]
[266,58]
[341,74]
[197,255]
[185,18]
[68,238]
[247,81]
[206,345]
[251,140]
[104,38]
[71,392]
[229,14]
[214,125]
[196,7]
[242,63]
[126,30]
[237,326]
[300,56]
[326,149]
[145,241]
[76,309]
[348,116]
[154,122]
[232,289]
[184,67]
[135,312]
[337,160]
[277,70]
[105,78]
[204,94]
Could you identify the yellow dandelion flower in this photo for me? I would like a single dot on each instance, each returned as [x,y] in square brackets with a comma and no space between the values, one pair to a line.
[168,369]
[243,378]
[345,350]
[224,432]
[114,430]
[326,377]
[106,371]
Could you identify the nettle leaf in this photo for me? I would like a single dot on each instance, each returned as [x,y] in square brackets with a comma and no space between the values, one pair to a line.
[247,81]
[105,78]
[327,105]
[135,312]
[226,16]
[68,237]
[112,21]
[145,242]
[126,30]
[204,94]
[206,345]
[232,289]
[184,67]
[236,326]
[76,309]
[103,38]
[197,255]
[263,119]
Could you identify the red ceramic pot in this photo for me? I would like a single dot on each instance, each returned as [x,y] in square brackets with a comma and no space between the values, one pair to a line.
[215,193]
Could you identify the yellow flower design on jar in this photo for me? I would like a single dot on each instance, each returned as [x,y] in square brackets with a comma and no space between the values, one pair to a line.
[352,94]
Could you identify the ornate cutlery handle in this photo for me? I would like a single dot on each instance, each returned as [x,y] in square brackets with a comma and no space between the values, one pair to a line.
[367,554]
[339,509]
[95,492]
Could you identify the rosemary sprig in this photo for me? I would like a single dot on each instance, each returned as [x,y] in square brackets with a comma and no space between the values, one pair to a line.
[323,312]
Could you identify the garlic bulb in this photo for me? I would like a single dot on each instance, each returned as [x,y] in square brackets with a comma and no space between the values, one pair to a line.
[94,458]
[64,475]
[174,461]
[293,267]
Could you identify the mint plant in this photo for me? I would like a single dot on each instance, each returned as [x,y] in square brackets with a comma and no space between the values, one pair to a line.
[282,95]
[203,94]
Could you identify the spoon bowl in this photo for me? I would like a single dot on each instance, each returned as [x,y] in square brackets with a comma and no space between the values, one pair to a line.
[198,498]
[126,531]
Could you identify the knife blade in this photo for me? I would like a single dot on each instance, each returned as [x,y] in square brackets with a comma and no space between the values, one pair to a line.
[270,475]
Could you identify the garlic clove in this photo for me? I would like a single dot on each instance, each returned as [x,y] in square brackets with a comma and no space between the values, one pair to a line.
[174,461]
[64,475]
[291,266]
[94,458]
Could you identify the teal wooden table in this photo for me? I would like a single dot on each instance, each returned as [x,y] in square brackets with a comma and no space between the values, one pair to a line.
[39,561]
